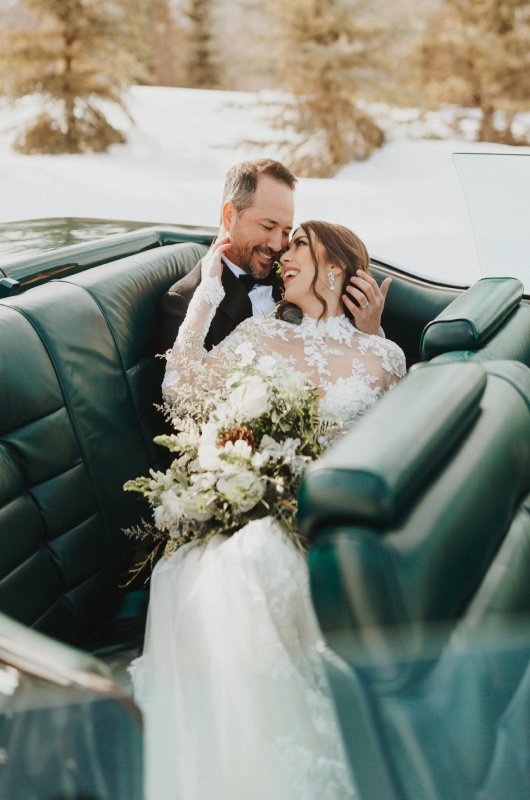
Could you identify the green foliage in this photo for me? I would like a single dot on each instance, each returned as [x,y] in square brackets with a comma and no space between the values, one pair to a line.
[240,446]
[75,54]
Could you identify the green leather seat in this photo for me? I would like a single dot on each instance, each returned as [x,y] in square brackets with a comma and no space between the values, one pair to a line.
[419,523]
[488,321]
[79,379]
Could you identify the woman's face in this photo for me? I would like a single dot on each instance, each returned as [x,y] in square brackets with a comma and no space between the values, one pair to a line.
[298,271]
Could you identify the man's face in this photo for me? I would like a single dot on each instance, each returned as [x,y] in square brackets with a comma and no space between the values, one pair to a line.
[260,232]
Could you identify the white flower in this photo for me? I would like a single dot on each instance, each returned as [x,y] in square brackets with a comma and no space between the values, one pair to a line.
[291,381]
[239,449]
[199,506]
[250,399]
[285,452]
[209,433]
[266,366]
[187,440]
[246,353]
[243,489]
[168,513]
[224,415]
[260,459]
[208,457]
[202,481]
[160,480]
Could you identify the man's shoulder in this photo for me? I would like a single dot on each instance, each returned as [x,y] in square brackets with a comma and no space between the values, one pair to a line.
[188,283]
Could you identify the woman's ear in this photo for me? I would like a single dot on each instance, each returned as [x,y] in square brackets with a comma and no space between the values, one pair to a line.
[338,271]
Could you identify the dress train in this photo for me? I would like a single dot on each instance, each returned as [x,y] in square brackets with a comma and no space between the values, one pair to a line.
[235,699]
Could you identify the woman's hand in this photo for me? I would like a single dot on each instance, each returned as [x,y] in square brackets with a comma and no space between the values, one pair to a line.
[365,300]
[212,266]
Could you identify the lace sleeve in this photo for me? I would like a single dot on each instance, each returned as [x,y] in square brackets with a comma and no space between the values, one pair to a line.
[192,332]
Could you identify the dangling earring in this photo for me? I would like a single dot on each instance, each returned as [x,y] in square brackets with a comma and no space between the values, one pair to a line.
[331,279]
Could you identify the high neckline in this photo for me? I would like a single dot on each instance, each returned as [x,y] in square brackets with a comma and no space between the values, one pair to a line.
[328,322]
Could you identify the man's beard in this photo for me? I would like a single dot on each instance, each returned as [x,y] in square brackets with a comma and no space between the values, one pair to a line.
[241,256]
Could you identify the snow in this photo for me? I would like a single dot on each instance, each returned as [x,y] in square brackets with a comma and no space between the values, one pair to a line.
[405,201]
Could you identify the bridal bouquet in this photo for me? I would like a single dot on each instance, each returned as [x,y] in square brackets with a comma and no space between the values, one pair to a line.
[244,430]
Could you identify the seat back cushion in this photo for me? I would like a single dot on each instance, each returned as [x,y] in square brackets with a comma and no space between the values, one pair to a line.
[79,378]
[473,318]
[421,561]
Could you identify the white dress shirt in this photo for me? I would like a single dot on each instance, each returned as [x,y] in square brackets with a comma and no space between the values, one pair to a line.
[260,297]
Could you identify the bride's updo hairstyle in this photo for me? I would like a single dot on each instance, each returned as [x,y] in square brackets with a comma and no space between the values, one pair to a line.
[342,248]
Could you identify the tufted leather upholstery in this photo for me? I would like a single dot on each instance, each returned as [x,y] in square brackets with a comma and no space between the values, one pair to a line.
[79,379]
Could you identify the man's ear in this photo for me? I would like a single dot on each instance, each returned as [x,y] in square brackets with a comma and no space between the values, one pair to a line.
[228,214]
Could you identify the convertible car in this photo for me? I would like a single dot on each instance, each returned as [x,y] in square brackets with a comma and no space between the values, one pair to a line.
[418,520]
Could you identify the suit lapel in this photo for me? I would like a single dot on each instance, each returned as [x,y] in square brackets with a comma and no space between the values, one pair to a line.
[236,302]
[233,309]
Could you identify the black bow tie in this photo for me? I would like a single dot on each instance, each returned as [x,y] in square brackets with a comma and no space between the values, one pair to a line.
[249,281]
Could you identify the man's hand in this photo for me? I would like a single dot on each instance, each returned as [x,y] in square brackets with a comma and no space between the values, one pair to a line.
[366,300]
[211,265]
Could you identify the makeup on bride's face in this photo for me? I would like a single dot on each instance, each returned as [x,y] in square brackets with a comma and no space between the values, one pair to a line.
[298,266]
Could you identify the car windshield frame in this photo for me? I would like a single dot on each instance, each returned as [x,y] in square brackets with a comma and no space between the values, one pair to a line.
[496,189]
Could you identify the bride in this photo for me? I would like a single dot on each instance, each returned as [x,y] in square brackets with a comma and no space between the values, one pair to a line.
[234,696]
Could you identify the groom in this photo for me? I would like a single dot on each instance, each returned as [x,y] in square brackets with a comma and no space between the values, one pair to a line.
[257,213]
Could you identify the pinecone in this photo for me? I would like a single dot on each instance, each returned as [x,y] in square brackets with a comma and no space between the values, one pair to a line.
[235,434]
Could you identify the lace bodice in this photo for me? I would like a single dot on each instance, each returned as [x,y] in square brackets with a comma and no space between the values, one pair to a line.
[351,369]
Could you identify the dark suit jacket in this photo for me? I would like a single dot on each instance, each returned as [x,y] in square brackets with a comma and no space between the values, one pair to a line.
[233,309]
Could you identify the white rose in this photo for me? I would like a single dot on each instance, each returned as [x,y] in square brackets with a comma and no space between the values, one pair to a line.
[250,399]
[242,489]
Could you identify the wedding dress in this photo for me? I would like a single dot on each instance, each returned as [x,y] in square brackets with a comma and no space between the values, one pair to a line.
[235,700]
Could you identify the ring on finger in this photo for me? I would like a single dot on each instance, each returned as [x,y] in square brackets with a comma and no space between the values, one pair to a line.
[365,305]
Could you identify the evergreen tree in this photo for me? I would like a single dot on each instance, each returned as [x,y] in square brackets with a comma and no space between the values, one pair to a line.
[477,53]
[326,50]
[75,54]
[167,44]
[202,69]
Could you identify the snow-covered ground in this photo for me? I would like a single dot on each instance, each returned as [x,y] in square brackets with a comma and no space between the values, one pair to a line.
[405,201]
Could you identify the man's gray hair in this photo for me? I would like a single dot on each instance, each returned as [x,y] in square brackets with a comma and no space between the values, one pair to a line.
[242,180]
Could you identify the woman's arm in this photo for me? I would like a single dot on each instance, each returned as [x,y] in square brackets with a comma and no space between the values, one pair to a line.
[201,310]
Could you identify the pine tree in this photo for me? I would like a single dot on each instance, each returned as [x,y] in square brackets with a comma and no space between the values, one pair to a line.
[477,53]
[75,54]
[202,69]
[325,52]
[167,44]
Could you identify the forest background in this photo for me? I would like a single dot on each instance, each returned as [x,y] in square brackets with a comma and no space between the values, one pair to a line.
[329,74]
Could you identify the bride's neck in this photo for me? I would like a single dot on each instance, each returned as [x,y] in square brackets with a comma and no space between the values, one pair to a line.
[314,309]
